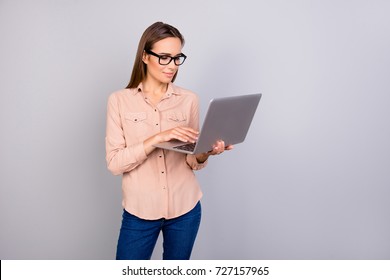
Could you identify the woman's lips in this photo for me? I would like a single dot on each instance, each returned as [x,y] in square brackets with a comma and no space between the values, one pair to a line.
[169,75]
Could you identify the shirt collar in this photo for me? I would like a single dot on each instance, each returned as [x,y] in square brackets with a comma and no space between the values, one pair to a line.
[172,90]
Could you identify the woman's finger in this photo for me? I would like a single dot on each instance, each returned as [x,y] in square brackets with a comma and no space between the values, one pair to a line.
[184,134]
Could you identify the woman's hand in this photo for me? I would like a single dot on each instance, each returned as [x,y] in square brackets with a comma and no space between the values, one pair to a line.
[182,133]
[218,148]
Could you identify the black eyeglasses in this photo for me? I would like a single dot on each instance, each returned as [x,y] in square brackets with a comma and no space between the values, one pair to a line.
[166,59]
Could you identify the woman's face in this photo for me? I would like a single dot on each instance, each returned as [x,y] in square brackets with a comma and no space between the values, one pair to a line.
[170,46]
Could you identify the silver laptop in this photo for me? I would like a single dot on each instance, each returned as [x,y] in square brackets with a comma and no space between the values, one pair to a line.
[227,119]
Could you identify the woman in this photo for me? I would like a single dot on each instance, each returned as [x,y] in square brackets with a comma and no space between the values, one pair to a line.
[160,190]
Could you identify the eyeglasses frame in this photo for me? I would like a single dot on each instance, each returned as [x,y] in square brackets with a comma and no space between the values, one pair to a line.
[171,57]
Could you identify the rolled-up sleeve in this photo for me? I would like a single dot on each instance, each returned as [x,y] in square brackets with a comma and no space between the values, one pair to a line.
[119,157]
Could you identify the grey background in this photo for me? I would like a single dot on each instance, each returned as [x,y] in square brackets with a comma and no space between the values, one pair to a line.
[311,181]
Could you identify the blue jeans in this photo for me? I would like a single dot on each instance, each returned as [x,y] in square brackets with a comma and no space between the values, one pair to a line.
[138,237]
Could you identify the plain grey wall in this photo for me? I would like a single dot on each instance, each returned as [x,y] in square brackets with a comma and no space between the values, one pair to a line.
[312,180]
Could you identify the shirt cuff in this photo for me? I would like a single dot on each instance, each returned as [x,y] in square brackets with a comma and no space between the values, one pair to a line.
[139,152]
[194,164]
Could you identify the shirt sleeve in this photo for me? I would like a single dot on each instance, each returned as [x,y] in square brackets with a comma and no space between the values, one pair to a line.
[120,158]
[191,159]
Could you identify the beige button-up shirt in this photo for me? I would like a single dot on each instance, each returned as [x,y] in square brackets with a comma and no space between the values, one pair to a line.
[161,184]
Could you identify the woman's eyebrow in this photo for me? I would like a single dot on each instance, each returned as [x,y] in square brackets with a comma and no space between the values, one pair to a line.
[162,53]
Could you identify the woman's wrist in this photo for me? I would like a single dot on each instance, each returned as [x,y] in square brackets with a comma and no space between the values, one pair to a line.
[201,158]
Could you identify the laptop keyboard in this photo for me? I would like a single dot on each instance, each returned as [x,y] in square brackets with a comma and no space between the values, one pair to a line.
[186,147]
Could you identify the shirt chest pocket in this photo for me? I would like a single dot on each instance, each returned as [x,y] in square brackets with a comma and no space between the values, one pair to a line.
[135,117]
[177,117]
[137,124]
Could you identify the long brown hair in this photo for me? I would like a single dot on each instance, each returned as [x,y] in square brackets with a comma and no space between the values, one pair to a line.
[154,33]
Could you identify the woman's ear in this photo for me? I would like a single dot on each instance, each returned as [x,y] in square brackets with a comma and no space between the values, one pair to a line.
[145,57]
